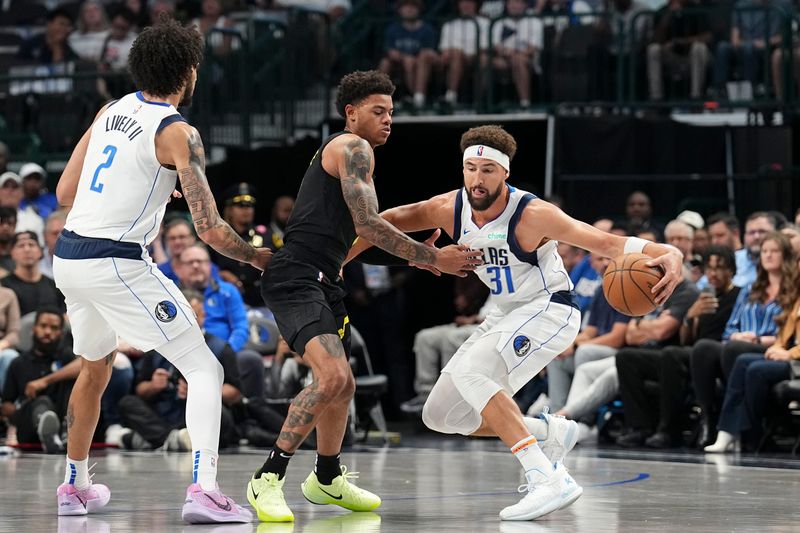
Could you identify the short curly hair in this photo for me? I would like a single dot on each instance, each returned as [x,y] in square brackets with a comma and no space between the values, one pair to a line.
[493,136]
[358,85]
[162,57]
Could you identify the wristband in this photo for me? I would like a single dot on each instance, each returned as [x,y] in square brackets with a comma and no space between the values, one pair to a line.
[635,245]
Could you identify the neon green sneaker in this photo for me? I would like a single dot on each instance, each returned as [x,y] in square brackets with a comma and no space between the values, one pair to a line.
[265,494]
[342,492]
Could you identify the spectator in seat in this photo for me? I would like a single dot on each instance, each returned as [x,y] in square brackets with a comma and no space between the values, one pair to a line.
[747,47]
[9,331]
[114,57]
[211,17]
[792,231]
[639,215]
[518,41]
[239,211]
[179,235]
[11,196]
[38,384]
[680,235]
[410,48]
[680,41]
[34,193]
[53,227]
[749,389]
[563,13]
[225,315]
[756,227]
[91,32]
[581,272]
[51,46]
[750,329]
[33,289]
[669,366]
[463,42]
[281,211]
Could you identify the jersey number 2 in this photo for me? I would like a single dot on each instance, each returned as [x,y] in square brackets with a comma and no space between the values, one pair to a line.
[111,151]
[498,273]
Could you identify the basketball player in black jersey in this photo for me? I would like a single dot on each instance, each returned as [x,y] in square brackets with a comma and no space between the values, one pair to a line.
[303,288]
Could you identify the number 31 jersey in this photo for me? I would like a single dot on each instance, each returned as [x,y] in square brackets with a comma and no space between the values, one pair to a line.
[123,189]
[515,277]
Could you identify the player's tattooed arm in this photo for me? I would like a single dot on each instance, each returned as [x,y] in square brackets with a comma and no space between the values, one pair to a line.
[209,224]
[363,204]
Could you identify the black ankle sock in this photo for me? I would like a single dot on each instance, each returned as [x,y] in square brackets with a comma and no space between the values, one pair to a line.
[327,468]
[277,462]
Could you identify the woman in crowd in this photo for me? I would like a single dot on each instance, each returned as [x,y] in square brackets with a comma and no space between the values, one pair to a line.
[751,328]
[754,374]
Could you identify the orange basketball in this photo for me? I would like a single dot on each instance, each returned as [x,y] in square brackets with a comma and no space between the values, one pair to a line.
[627,283]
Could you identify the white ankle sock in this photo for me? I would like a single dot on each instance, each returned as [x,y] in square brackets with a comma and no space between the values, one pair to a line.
[529,454]
[536,426]
[77,473]
[204,471]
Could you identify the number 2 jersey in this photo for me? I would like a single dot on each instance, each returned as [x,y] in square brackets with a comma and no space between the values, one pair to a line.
[515,277]
[123,189]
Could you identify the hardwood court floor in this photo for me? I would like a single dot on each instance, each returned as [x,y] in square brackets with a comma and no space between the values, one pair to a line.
[459,486]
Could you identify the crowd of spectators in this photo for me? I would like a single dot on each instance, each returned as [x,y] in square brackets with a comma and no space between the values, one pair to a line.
[443,54]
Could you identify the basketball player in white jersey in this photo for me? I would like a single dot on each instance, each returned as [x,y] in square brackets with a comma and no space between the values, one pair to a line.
[117,183]
[535,320]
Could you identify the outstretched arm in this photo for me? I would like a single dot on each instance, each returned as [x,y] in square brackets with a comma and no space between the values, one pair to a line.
[542,220]
[355,164]
[436,212]
[182,146]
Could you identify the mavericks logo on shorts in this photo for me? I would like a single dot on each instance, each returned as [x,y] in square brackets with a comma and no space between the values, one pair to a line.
[166,311]
[522,345]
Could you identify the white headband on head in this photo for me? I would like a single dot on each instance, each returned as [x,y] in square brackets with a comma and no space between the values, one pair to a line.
[487,152]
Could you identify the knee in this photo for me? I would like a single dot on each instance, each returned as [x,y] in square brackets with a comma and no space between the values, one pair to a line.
[336,383]
[653,51]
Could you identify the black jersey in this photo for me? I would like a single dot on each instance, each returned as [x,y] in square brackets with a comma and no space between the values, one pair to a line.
[320,230]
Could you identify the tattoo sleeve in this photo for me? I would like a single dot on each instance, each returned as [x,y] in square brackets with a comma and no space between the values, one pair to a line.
[359,194]
[203,207]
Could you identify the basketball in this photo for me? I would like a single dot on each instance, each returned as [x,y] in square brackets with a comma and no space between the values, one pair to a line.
[627,283]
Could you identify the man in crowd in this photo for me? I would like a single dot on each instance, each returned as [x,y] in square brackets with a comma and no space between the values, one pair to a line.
[239,212]
[34,192]
[39,382]
[33,289]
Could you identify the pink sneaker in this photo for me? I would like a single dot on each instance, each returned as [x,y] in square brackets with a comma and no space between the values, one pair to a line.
[72,501]
[208,506]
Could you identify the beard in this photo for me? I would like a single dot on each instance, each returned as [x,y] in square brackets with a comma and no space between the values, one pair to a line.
[482,204]
[42,347]
[186,99]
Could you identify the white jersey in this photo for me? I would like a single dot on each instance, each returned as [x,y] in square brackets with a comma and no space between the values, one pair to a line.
[123,189]
[515,277]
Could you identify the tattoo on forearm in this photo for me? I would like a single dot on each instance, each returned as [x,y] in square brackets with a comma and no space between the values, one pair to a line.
[362,201]
[203,207]
[332,345]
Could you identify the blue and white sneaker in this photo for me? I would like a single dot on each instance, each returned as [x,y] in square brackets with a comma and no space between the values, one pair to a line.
[562,434]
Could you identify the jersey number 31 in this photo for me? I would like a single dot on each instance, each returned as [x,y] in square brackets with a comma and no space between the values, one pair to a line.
[498,273]
[111,151]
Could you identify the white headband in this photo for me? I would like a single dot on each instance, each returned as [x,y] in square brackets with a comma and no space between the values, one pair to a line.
[487,152]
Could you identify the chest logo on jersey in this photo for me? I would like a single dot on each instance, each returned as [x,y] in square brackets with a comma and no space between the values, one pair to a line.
[166,311]
[522,345]
[125,125]
[493,256]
